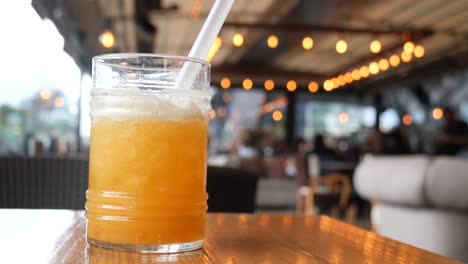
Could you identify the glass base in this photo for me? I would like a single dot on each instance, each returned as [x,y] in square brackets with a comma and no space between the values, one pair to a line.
[157,248]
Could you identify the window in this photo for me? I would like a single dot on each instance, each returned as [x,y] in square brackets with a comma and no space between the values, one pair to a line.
[237,109]
[39,84]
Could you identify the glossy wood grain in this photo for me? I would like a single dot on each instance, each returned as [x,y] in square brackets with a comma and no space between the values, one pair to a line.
[48,236]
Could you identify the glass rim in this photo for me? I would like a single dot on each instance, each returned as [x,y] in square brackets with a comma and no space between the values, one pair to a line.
[103,59]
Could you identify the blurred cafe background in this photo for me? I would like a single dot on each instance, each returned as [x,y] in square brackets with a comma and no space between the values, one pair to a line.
[354,109]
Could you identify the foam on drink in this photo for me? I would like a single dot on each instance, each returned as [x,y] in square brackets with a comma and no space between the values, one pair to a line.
[162,103]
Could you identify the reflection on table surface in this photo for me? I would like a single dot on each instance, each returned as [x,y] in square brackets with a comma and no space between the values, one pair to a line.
[58,236]
[94,255]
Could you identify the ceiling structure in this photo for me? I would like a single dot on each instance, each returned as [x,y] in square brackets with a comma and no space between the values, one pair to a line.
[171,26]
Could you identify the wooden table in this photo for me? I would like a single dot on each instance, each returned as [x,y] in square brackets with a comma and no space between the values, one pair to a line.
[58,236]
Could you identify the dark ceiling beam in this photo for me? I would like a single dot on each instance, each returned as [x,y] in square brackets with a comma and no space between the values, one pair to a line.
[301,28]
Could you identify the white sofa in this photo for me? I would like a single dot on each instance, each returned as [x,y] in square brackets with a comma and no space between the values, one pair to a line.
[420,200]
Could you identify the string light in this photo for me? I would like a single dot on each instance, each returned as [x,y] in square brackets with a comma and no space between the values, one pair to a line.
[328,85]
[383,64]
[247,84]
[437,113]
[291,85]
[238,40]
[307,43]
[348,77]
[375,46]
[107,39]
[408,47]
[272,41]
[269,85]
[225,83]
[406,57]
[45,94]
[374,68]
[335,83]
[343,117]
[407,120]
[394,60]
[341,46]
[341,80]
[59,102]
[277,115]
[356,75]
[419,51]
[313,87]
[364,71]
[212,114]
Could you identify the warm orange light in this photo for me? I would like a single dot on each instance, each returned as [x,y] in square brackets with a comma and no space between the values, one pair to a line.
[437,113]
[59,101]
[383,64]
[408,47]
[212,114]
[238,40]
[328,85]
[107,39]
[335,83]
[406,57]
[364,71]
[269,85]
[307,43]
[277,115]
[356,75]
[374,68]
[45,94]
[247,84]
[291,85]
[313,87]
[341,46]
[343,117]
[419,51]
[272,41]
[407,120]
[214,49]
[394,60]
[348,77]
[73,109]
[375,46]
[225,83]
[222,111]
[341,80]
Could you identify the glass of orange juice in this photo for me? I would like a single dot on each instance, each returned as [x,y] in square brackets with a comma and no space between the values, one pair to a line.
[148,153]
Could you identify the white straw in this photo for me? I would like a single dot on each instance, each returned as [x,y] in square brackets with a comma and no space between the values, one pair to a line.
[205,38]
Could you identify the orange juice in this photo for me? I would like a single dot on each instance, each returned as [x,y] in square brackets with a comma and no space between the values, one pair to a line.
[147,173]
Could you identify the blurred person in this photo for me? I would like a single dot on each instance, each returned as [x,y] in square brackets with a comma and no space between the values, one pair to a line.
[392,143]
[395,143]
[300,153]
[320,148]
[323,152]
[454,136]
[374,143]
[246,154]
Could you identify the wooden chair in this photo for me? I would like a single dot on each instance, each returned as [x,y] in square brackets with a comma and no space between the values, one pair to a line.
[330,192]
